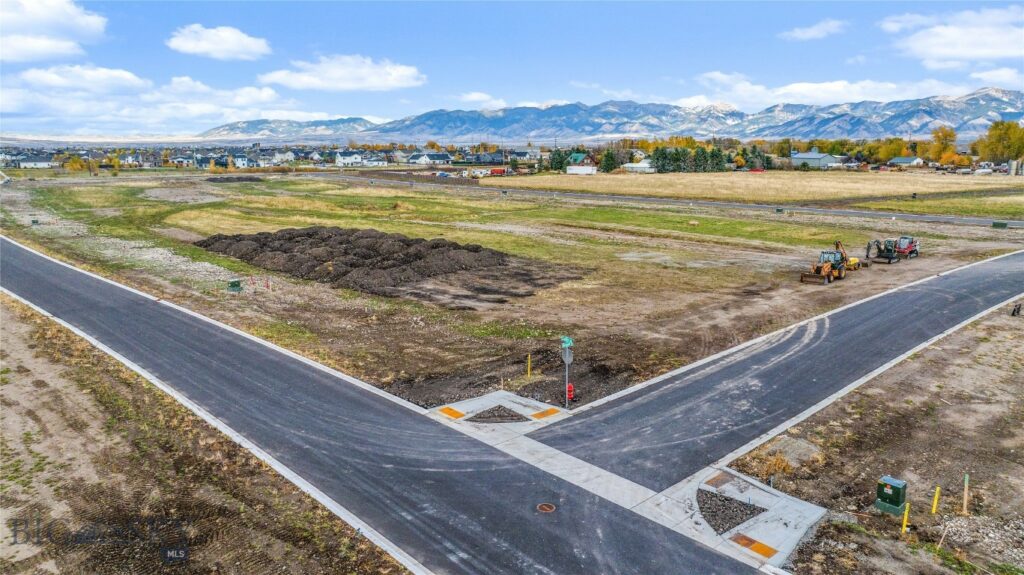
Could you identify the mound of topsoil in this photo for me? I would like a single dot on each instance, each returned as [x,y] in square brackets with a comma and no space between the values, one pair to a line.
[366,260]
[230,179]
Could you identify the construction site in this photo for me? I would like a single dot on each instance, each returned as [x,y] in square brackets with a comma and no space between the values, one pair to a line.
[441,296]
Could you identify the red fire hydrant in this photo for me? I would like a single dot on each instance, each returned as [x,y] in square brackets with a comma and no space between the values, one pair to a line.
[570,392]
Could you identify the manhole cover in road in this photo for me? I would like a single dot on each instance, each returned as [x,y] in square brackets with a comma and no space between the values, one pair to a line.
[546,507]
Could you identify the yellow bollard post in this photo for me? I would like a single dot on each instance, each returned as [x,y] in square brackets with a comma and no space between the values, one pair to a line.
[906,517]
[529,365]
[935,500]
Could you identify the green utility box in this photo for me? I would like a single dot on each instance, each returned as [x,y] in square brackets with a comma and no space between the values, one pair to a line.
[235,286]
[35,222]
[780,211]
[999,225]
[891,495]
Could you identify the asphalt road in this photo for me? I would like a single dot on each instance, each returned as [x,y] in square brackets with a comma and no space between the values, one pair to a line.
[667,431]
[453,503]
[586,196]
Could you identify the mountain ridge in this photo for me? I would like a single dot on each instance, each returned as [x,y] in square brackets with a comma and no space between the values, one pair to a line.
[969,114]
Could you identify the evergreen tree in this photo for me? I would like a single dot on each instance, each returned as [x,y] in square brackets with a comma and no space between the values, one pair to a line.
[608,161]
[685,160]
[557,160]
[700,159]
[675,160]
[717,160]
[661,160]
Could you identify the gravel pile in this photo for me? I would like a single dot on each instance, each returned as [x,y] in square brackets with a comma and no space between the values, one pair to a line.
[723,513]
[999,538]
[497,414]
[366,260]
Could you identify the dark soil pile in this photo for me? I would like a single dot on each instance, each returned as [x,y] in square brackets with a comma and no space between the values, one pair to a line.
[497,414]
[723,513]
[366,260]
[231,179]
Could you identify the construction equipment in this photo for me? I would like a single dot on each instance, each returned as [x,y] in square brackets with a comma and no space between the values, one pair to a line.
[851,263]
[829,266]
[885,251]
[832,265]
[908,247]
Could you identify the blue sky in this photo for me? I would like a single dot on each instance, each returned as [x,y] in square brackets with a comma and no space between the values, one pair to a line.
[182,67]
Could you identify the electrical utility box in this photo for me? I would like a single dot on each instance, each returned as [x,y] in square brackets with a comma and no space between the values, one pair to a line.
[891,495]
[235,286]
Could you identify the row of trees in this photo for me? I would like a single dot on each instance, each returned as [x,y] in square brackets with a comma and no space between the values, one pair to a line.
[699,159]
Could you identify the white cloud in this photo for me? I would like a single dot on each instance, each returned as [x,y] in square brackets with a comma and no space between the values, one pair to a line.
[221,43]
[817,31]
[84,78]
[1001,77]
[46,29]
[542,105]
[341,73]
[614,94]
[483,101]
[933,64]
[55,98]
[698,101]
[742,92]
[894,24]
[857,60]
[956,39]
[21,48]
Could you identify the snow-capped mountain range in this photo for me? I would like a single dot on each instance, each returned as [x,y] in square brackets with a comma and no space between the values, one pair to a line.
[970,115]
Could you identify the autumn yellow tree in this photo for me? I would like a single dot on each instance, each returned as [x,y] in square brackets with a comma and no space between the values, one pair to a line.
[74,163]
[943,141]
[1003,142]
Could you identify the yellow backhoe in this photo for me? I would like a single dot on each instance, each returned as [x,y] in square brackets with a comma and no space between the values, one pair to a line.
[832,265]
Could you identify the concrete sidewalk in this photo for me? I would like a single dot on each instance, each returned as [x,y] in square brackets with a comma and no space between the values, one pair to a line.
[765,541]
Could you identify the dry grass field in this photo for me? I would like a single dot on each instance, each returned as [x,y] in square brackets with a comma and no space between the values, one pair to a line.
[775,186]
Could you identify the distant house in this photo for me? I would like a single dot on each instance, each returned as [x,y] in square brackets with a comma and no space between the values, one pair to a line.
[375,161]
[581,164]
[130,160]
[348,158]
[641,167]
[315,156]
[581,159]
[814,159]
[430,159]
[907,162]
[182,161]
[283,157]
[36,162]
[241,161]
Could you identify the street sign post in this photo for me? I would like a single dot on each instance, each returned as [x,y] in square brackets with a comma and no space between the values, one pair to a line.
[567,360]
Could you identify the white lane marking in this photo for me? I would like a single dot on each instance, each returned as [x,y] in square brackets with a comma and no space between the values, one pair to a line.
[728,458]
[607,485]
[746,344]
[347,516]
[344,377]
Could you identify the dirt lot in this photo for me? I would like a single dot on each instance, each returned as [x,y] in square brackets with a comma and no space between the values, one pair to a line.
[122,471]
[436,270]
[691,282]
[772,186]
[954,408]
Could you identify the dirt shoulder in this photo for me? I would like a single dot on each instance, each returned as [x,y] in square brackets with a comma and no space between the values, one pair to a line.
[121,472]
[955,408]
